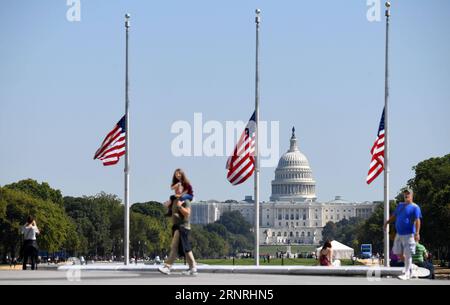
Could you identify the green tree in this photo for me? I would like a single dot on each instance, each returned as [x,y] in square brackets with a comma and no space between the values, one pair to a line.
[329,232]
[94,216]
[345,231]
[199,241]
[207,244]
[239,243]
[218,228]
[235,223]
[57,230]
[218,247]
[348,231]
[431,186]
[151,208]
[156,233]
[227,236]
[371,231]
[148,236]
[38,190]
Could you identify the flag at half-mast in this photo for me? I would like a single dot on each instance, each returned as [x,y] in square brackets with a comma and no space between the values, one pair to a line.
[113,146]
[241,165]
[377,152]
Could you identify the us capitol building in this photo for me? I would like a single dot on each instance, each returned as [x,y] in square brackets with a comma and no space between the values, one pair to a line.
[293,215]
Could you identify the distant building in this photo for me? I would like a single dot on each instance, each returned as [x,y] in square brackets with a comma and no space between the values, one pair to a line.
[293,216]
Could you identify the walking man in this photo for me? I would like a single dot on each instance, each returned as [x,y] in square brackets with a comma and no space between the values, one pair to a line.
[407,217]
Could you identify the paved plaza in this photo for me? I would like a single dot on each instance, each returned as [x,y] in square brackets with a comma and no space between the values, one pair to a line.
[77,277]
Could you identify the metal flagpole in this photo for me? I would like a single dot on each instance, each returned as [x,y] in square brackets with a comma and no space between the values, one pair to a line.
[386,138]
[257,21]
[127,160]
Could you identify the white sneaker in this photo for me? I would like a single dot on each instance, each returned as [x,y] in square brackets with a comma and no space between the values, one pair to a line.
[191,272]
[164,270]
[404,277]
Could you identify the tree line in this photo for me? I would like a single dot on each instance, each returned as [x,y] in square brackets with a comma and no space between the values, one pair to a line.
[92,226]
[431,185]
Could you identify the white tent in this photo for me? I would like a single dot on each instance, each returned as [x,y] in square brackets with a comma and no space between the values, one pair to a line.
[340,251]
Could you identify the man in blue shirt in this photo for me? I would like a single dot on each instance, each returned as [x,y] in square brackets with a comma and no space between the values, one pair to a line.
[407,217]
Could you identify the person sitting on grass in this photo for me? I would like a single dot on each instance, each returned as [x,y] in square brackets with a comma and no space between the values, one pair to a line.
[326,254]
[420,258]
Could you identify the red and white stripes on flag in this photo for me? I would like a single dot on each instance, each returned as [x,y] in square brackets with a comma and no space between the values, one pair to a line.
[241,165]
[113,146]
[377,152]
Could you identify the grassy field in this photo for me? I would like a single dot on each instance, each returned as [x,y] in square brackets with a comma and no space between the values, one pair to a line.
[273,262]
[271,250]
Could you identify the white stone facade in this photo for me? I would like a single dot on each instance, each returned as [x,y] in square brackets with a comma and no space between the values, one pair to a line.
[293,177]
[293,216]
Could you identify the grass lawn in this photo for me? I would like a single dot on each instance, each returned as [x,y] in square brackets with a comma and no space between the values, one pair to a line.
[273,262]
[272,249]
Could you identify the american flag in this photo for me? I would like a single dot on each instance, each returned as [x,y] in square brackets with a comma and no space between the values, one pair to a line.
[377,152]
[113,146]
[241,164]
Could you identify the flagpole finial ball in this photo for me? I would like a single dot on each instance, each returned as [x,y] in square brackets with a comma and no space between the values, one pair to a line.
[258,11]
[388,4]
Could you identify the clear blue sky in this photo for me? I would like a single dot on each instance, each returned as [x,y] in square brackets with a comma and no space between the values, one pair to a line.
[322,70]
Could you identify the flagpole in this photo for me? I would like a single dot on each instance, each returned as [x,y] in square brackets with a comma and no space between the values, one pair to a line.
[257,21]
[127,160]
[386,144]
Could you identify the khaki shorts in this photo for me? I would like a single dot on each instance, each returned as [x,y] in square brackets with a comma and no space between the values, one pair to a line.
[404,245]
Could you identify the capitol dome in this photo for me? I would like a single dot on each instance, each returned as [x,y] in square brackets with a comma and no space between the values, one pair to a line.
[293,177]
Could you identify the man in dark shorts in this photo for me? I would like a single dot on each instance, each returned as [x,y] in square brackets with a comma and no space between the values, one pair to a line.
[181,212]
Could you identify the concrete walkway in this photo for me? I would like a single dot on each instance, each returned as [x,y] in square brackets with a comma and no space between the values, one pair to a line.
[74,277]
[280,270]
